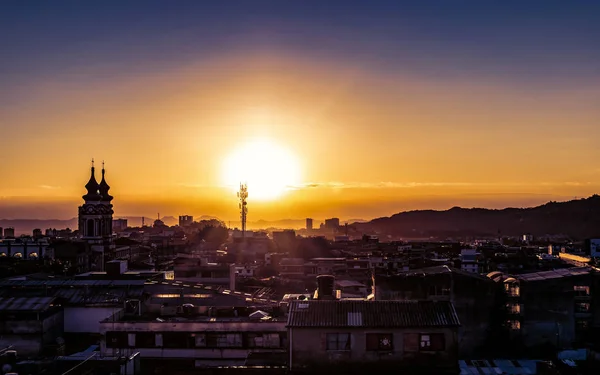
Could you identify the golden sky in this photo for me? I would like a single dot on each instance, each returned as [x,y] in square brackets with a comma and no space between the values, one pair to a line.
[369,143]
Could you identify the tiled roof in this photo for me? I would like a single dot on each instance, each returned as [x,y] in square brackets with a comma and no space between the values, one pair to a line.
[372,314]
[30,304]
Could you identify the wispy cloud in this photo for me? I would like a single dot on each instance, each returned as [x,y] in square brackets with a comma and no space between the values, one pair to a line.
[408,185]
[49,187]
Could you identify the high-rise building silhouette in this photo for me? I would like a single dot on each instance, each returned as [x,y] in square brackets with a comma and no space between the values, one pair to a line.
[309,224]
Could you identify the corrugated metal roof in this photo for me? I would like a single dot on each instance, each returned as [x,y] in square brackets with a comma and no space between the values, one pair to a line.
[372,314]
[554,274]
[29,304]
[34,283]
[79,295]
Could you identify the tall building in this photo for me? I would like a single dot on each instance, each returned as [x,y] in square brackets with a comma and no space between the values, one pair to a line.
[95,218]
[333,223]
[185,220]
[309,224]
[9,232]
[37,233]
[1,232]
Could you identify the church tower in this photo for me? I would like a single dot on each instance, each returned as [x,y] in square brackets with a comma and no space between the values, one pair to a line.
[95,218]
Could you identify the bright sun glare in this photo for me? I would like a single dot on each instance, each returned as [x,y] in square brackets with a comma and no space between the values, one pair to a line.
[267,167]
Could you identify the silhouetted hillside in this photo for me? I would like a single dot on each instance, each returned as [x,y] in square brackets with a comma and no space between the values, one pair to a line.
[578,218]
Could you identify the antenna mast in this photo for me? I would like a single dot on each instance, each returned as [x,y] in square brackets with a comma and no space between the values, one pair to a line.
[243,205]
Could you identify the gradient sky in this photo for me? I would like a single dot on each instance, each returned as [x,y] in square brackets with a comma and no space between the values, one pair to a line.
[389,105]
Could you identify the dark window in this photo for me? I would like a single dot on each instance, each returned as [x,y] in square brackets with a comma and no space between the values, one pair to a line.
[116,339]
[224,340]
[263,340]
[380,341]
[582,307]
[433,342]
[581,324]
[145,340]
[338,341]
[178,340]
[411,342]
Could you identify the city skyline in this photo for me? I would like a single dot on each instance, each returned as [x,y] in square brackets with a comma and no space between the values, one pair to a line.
[385,108]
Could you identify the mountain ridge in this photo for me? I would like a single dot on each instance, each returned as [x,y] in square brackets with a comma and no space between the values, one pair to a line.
[576,218]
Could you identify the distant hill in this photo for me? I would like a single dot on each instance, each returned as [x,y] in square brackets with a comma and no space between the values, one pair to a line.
[579,219]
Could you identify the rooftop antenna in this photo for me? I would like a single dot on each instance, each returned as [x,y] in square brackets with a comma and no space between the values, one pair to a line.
[243,205]
[142,221]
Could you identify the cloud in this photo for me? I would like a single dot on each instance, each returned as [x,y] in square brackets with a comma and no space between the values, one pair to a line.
[49,187]
[409,185]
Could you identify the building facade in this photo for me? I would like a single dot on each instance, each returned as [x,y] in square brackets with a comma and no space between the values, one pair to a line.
[367,335]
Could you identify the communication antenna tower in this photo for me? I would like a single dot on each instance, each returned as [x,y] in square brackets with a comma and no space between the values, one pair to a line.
[243,205]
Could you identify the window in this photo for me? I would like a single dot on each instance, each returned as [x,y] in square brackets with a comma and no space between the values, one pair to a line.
[513,308]
[514,325]
[178,340]
[380,341]
[438,290]
[116,339]
[433,342]
[512,289]
[224,340]
[582,307]
[200,341]
[581,291]
[145,340]
[581,324]
[338,341]
[264,340]
[131,340]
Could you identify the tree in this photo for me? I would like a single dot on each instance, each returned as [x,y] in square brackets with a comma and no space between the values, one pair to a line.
[212,230]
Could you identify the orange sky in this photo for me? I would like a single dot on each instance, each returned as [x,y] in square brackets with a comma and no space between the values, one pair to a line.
[370,143]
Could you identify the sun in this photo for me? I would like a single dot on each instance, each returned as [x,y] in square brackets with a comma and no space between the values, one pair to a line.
[269,169]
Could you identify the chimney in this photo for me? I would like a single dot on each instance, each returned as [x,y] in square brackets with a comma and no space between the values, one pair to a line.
[326,287]
[232,277]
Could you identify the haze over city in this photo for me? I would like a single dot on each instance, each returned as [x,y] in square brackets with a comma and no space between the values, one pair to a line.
[324,109]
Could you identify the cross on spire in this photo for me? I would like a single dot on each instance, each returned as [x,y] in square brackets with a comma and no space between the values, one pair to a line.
[92,162]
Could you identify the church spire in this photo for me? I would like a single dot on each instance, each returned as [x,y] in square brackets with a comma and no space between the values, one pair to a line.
[104,187]
[92,187]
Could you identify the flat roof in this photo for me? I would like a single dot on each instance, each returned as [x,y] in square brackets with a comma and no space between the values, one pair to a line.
[25,304]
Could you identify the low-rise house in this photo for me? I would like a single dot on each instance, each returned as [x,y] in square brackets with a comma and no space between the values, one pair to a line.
[417,334]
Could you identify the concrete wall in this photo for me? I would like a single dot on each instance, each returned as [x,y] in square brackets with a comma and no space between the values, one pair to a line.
[86,319]
[307,346]
[28,337]
[548,315]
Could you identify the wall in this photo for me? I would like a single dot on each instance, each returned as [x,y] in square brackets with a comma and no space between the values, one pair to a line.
[549,315]
[471,295]
[308,346]
[86,319]
[189,328]
[28,337]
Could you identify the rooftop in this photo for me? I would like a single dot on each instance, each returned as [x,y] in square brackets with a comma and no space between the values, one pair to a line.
[437,270]
[554,274]
[28,304]
[372,314]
